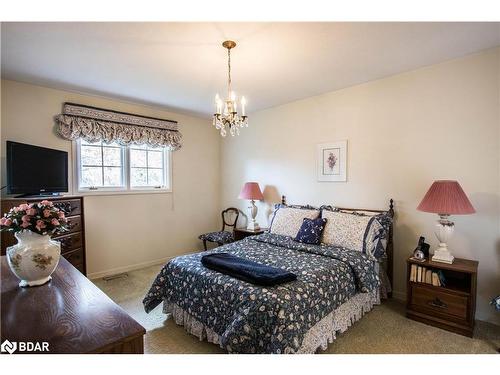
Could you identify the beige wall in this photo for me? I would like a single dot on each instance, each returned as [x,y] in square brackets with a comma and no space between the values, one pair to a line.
[403,132]
[126,231]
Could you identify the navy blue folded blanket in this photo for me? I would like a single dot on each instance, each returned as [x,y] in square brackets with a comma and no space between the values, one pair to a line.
[246,270]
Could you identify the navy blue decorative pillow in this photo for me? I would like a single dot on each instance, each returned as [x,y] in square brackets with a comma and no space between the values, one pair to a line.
[311,230]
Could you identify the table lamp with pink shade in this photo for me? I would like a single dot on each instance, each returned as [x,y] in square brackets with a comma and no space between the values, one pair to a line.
[445,198]
[251,190]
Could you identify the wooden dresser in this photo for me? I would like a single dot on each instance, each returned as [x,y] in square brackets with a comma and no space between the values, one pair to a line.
[72,242]
[69,314]
[451,307]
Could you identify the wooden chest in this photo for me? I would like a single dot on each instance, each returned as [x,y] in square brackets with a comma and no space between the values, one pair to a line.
[70,314]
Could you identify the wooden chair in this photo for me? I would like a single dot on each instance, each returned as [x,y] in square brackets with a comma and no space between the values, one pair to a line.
[222,237]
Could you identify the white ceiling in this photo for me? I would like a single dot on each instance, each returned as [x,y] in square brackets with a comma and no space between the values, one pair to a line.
[181,66]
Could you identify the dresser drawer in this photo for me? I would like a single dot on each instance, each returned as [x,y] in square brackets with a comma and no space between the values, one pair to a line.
[74,224]
[70,207]
[434,301]
[80,267]
[75,257]
[70,241]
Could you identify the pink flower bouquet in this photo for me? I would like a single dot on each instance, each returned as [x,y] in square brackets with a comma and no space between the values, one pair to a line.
[41,218]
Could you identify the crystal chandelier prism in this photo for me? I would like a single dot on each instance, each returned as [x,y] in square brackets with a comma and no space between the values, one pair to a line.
[226,117]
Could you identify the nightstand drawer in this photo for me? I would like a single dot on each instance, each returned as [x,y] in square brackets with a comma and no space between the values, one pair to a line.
[435,301]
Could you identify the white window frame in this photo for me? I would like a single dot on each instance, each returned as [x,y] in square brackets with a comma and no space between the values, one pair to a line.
[126,188]
[166,173]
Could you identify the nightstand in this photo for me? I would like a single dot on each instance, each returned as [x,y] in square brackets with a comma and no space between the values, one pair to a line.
[240,233]
[451,307]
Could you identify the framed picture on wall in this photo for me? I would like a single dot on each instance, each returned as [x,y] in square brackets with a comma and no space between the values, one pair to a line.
[332,161]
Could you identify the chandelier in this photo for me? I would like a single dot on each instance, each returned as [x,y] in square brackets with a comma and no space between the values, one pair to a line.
[226,117]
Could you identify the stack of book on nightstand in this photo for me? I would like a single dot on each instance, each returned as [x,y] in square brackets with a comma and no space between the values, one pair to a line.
[419,274]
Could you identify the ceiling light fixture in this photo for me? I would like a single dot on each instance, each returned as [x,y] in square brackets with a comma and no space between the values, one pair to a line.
[227,118]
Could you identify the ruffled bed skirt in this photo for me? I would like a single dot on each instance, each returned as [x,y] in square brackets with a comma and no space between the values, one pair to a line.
[317,338]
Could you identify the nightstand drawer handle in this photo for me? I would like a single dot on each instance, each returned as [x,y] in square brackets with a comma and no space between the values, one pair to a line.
[436,302]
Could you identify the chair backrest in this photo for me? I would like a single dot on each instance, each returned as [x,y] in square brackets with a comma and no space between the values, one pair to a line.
[230,217]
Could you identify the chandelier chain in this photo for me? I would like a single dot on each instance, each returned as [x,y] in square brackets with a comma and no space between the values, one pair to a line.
[229,72]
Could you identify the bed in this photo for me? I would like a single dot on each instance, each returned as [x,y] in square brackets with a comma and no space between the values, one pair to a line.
[335,287]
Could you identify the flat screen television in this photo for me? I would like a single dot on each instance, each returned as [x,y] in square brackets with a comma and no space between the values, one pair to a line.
[34,170]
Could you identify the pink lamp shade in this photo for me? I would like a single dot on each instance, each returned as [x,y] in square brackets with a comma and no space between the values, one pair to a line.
[251,190]
[446,197]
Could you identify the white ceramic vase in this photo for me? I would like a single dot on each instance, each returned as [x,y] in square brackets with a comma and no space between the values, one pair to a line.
[33,258]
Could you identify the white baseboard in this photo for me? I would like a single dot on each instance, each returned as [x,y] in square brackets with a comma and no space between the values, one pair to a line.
[132,267]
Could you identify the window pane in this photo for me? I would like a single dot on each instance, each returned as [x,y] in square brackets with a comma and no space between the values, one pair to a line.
[112,176]
[155,177]
[91,176]
[138,177]
[112,156]
[137,158]
[155,159]
[91,155]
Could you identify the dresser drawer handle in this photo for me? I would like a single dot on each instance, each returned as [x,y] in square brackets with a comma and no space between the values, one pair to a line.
[64,207]
[436,302]
[66,241]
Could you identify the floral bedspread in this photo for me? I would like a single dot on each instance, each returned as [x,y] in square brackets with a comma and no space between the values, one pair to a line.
[255,319]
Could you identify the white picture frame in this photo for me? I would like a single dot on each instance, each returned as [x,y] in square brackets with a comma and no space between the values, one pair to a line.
[332,161]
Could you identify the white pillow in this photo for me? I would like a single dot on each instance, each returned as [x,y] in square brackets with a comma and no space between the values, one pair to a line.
[345,229]
[287,221]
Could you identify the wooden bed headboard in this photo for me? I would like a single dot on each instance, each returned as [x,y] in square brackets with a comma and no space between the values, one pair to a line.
[390,242]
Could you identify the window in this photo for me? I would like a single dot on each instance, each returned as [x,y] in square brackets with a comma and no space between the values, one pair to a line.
[101,165]
[108,167]
[147,166]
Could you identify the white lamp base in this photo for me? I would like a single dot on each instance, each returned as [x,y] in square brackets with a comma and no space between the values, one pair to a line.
[442,255]
[253,226]
[252,223]
[444,231]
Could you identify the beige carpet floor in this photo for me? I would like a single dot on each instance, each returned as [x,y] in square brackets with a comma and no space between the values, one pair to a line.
[383,330]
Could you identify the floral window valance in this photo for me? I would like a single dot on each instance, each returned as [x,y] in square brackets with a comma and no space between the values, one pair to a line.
[97,124]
